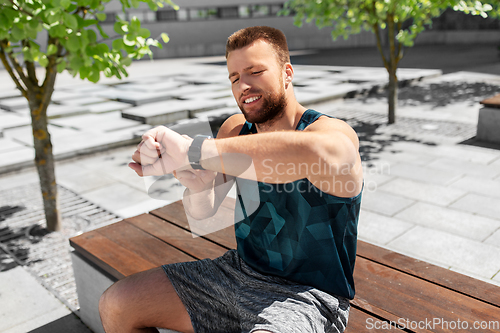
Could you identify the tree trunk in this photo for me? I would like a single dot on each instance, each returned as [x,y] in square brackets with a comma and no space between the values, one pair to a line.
[44,159]
[392,96]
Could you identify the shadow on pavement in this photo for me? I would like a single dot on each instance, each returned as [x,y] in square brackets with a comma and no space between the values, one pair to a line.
[70,323]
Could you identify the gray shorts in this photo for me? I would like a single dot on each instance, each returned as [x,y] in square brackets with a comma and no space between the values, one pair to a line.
[226,295]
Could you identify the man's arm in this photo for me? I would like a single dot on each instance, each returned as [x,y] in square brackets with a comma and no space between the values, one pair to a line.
[205,203]
[326,149]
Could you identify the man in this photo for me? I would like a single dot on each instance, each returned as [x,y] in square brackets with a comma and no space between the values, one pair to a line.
[292,270]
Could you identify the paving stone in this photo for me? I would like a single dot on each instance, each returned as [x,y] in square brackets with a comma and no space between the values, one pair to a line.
[10,93]
[312,95]
[116,197]
[448,220]
[424,174]
[92,141]
[60,96]
[13,104]
[7,144]
[456,152]
[13,160]
[384,203]
[478,185]
[391,155]
[12,120]
[89,100]
[380,229]
[494,239]
[97,122]
[434,194]
[169,112]
[82,88]
[458,252]
[81,180]
[57,111]
[28,302]
[18,179]
[216,94]
[150,86]
[109,107]
[142,207]
[25,134]
[474,169]
[195,89]
[479,204]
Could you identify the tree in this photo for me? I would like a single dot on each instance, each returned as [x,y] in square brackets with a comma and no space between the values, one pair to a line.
[76,43]
[399,20]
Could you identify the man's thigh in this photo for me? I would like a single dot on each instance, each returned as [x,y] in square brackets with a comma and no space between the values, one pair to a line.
[146,299]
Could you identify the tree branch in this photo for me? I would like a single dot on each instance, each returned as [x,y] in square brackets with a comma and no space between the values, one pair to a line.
[19,70]
[379,45]
[400,53]
[20,9]
[8,67]
[30,69]
[50,73]
[376,30]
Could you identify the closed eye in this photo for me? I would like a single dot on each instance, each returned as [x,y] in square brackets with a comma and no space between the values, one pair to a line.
[235,80]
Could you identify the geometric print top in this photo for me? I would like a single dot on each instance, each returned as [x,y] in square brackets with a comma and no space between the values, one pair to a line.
[296,231]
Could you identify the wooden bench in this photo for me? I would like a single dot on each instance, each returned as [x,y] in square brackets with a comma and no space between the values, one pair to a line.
[391,288]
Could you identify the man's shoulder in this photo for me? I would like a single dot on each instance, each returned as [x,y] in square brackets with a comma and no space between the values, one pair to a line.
[232,126]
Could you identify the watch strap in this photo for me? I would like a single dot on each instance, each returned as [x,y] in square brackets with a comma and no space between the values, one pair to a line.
[194,152]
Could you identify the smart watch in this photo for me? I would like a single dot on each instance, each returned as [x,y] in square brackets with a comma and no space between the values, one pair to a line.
[194,152]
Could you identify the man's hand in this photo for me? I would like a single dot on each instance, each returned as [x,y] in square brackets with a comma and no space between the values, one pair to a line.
[196,180]
[160,152]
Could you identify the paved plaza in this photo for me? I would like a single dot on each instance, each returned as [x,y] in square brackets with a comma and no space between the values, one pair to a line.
[428,194]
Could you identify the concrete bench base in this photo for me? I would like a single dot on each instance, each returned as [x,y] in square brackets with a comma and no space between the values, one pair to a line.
[488,125]
[91,282]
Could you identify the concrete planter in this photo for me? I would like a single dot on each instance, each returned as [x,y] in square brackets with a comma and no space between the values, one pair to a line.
[488,125]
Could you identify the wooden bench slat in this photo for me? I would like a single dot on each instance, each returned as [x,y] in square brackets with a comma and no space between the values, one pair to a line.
[412,298]
[143,244]
[175,213]
[198,247]
[108,255]
[455,281]
[359,321]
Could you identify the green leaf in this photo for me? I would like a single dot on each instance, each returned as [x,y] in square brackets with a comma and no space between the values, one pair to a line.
[129,40]
[87,23]
[84,72]
[94,75]
[103,34]
[144,33]
[120,28]
[17,32]
[92,36]
[100,16]
[51,49]
[65,3]
[61,66]
[117,44]
[135,24]
[165,37]
[70,21]
[43,61]
[135,3]
[126,61]
[73,43]
[102,48]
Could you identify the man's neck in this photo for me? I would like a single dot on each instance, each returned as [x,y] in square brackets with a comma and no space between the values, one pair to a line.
[287,122]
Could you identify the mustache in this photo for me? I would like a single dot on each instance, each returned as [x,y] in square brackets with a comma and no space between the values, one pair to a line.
[250,92]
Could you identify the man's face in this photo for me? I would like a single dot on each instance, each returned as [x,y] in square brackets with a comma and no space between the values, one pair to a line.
[257,82]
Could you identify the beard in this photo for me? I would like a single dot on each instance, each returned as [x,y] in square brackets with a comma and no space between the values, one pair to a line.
[273,107]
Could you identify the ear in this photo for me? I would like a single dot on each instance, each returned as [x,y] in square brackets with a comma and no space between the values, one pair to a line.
[288,74]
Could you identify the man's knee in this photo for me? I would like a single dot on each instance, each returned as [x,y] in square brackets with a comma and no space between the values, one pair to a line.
[111,301]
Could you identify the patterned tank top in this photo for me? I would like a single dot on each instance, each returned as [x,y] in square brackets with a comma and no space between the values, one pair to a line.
[297,232]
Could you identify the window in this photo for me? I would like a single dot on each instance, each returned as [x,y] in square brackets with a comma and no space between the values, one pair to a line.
[275,9]
[166,15]
[229,12]
[260,10]
[244,11]
[182,15]
[203,13]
